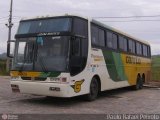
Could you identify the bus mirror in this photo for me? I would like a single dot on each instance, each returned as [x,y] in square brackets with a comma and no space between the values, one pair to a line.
[10,48]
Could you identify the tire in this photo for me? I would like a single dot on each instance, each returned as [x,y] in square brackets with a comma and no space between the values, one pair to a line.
[143,79]
[139,83]
[93,90]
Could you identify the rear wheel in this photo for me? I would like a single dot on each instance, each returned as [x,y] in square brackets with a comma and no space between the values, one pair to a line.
[143,79]
[139,83]
[93,90]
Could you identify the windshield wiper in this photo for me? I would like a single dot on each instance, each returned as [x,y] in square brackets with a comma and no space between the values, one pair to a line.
[40,59]
[28,57]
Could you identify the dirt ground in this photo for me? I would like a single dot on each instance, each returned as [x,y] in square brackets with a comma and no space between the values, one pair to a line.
[119,101]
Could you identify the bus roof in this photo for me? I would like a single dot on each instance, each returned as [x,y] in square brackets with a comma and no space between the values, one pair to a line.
[92,20]
[52,16]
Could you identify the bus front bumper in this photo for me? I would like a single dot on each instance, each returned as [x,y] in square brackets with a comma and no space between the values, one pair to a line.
[41,88]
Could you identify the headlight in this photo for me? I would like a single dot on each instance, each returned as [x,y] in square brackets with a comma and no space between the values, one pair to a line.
[14,78]
[55,79]
[59,80]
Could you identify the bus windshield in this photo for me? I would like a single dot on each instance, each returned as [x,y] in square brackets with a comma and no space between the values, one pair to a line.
[51,44]
[45,25]
[47,53]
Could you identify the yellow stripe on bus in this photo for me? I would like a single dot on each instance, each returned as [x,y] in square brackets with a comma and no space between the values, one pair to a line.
[134,65]
[25,74]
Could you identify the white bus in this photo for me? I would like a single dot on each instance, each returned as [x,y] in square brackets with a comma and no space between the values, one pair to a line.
[69,55]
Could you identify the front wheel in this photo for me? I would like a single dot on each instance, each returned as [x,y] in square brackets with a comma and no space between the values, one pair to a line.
[93,90]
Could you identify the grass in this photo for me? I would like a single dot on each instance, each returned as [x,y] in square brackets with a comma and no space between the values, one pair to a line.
[3,68]
[156,68]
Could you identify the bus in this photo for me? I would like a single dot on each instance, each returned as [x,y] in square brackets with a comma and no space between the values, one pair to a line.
[70,55]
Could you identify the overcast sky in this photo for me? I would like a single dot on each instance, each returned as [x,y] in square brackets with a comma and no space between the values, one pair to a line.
[145,30]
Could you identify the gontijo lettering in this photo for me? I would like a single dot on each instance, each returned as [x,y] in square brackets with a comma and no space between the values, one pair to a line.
[133,60]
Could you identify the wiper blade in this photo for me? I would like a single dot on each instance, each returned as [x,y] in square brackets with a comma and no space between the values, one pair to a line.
[41,61]
[28,55]
[42,64]
[21,68]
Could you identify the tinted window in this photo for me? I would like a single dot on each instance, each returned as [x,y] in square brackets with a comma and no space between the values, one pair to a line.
[94,35]
[101,38]
[149,51]
[125,44]
[79,46]
[114,41]
[80,27]
[97,35]
[145,51]
[46,25]
[139,48]
[76,48]
[109,39]
[122,43]
[132,46]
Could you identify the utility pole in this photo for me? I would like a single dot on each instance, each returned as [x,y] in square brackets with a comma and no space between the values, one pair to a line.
[9,25]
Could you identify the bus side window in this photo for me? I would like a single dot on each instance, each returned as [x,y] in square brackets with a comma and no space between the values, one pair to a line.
[109,39]
[145,50]
[132,46]
[94,35]
[115,41]
[112,40]
[122,43]
[76,59]
[101,37]
[149,51]
[139,48]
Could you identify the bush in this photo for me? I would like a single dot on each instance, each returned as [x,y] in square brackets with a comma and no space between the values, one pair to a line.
[3,68]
